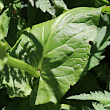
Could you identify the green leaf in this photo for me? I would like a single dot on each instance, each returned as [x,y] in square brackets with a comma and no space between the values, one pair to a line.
[100,43]
[59,49]
[3,57]
[44,5]
[14,13]
[98,48]
[16,81]
[98,106]
[4,25]
[67,107]
[108,105]
[15,26]
[103,98]
[1,5]
[106,10]
[33,17]
[60,3]
[32,2]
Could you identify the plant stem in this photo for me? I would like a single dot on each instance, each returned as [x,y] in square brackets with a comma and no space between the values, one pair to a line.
[22,65]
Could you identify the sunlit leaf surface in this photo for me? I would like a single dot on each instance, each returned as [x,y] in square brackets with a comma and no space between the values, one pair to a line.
[59,49]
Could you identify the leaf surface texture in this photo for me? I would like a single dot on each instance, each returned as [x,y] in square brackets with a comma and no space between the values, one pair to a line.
[59,49]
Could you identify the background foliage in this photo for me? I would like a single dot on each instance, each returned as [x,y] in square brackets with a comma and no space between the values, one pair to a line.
[17,15]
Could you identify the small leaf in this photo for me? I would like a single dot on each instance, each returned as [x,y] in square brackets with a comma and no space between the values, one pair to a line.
[32,2]
[98,106]
[106,10]
[44,5]
[99,44]
[4,25]
[108,105]
[103,98]
[60,3]
[1,5]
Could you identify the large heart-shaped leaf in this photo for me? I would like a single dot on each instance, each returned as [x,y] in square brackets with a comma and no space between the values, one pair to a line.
[59,49]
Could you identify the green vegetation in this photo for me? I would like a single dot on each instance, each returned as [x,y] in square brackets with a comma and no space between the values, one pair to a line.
[54,55]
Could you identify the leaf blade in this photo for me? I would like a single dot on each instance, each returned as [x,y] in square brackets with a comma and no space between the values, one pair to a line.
[59,49]
[52,42]
[103,98]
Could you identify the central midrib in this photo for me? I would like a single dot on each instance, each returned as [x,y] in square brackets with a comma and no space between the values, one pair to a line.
[46,45]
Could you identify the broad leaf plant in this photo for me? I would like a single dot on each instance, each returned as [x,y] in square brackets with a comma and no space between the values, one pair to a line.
[47,57]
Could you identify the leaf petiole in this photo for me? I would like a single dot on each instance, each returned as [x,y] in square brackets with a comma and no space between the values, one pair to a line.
[14,62]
